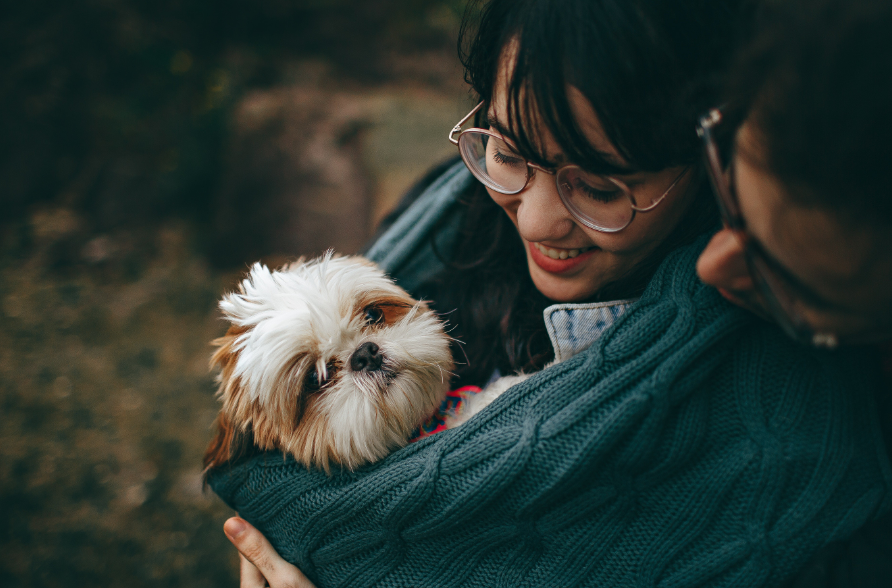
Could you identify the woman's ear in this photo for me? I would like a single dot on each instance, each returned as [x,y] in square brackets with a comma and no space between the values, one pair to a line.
[723,264]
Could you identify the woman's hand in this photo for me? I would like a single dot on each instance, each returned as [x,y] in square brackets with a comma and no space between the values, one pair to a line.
[260,565]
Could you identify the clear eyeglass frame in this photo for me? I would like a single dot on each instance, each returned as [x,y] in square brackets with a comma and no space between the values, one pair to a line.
[564,187]
[780,303]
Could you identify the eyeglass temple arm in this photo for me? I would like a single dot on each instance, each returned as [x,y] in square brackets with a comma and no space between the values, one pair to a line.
[708,121]
[457,127]
[730,213]
[654,203]
[704,130]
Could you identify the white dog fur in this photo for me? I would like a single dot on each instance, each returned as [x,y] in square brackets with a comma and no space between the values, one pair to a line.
[327,360]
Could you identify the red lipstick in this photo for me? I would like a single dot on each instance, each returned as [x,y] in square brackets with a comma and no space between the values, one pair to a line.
[557,266]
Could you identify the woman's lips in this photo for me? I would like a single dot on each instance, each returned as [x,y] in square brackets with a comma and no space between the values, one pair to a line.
[559,266]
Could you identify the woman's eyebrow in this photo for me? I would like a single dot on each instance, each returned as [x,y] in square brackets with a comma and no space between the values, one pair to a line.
[621,169]
[493,123]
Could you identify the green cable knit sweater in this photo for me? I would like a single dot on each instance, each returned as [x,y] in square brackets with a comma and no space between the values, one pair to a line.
[691,445]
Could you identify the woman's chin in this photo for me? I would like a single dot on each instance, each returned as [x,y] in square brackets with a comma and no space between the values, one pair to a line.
[574,288]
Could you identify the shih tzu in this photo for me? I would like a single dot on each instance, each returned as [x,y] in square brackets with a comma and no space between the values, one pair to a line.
[327,360]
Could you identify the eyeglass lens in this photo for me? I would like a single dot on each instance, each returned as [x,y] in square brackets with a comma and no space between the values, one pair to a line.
[590,197]
[493,162]
[781,305]
[596,198]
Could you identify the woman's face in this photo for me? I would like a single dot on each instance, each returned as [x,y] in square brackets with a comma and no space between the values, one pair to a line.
[839,274]
[591,259]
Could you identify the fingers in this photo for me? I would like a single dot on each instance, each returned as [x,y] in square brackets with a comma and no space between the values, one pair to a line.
[249,575]
[260,561]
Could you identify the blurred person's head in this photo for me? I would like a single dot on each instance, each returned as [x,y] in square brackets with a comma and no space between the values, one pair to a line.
[613,87]
[808,171]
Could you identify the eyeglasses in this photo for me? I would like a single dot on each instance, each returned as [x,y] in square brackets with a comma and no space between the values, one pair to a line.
[602,203]
[784,306]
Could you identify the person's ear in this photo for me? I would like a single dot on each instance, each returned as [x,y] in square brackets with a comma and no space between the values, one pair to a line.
[723,265]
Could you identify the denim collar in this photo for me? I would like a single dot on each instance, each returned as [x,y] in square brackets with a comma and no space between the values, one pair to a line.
[574,327]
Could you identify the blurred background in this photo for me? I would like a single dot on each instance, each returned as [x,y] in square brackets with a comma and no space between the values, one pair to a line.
[149,151]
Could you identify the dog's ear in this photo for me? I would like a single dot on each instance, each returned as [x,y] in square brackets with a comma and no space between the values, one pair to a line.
[225,357]
[219,450]
[228,445]
[230,441]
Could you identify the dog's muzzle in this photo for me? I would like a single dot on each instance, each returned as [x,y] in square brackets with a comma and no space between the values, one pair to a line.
[366,358]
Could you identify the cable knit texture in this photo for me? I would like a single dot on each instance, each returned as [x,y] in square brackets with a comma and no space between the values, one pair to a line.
[691,445]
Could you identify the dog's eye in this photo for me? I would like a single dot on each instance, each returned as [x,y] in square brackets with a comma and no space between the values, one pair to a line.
[373,315]
[312,381]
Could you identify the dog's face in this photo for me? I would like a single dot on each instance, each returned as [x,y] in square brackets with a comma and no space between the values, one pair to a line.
[327,360]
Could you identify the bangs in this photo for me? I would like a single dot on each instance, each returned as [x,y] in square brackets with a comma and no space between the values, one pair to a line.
[537,102]
[648,70]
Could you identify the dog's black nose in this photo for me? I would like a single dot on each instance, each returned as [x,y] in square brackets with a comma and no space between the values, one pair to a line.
[366,358]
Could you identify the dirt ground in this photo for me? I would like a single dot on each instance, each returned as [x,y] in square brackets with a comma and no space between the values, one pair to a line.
[107,306]
[106,402]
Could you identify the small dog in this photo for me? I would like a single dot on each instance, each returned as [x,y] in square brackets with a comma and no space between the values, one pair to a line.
[327,360]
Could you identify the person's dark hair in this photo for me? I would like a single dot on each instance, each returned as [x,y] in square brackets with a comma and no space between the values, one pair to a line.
[815,84]
[649,68]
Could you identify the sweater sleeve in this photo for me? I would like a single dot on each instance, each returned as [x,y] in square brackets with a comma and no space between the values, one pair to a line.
[692,445]
[408,249]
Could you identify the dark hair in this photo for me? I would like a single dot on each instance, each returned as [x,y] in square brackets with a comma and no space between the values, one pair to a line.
[649,68]
[815,83]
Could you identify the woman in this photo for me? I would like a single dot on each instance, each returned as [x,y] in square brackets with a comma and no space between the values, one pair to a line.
[494,287]
[689,444]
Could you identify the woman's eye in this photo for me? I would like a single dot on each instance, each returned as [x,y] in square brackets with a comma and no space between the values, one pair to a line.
[597,194]
[374,315]
[503,159]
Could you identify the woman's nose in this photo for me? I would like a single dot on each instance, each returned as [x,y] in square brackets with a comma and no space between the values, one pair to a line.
[542,215]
